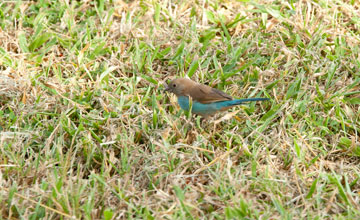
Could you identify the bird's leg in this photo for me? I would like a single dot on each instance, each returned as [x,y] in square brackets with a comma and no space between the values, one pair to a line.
[204,120]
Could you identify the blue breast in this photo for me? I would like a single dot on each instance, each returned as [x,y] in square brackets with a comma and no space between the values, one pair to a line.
[199,108]
[212,108]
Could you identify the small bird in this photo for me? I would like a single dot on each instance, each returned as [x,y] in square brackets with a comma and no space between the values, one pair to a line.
[206,101]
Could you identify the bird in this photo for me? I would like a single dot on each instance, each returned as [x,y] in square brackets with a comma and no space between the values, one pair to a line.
[206,101]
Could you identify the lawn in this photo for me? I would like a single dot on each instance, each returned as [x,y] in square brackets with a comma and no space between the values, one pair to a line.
[87,131]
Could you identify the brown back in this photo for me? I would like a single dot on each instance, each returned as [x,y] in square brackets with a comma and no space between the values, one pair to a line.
[205,94]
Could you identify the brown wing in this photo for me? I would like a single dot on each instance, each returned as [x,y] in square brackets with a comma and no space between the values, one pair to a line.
[205,94]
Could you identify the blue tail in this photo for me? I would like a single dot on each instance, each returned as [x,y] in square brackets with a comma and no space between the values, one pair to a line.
[241,101]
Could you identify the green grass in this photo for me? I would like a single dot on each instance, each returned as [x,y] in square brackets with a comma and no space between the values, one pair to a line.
[87,132]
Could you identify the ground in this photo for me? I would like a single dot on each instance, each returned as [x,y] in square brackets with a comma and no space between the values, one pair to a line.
[87,132]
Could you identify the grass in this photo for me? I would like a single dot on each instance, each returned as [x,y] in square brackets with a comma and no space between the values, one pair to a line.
[86,131]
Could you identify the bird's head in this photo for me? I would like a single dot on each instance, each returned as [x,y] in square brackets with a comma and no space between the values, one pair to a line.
[179,86]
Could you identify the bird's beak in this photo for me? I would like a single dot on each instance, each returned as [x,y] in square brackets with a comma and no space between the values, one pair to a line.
[167,88]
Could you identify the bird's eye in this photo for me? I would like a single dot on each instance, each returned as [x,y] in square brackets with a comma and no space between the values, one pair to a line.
[174,85]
